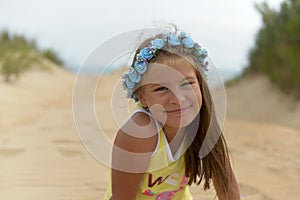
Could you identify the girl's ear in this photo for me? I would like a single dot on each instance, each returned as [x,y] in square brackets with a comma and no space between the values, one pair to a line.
[140,95]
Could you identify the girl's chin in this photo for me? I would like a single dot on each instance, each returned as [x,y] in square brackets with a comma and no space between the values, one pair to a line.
[181,123]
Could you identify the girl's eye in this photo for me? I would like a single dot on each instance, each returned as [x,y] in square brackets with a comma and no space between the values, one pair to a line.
[161,89]
[188,83]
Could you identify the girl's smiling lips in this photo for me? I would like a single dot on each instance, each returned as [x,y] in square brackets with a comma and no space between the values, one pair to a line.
[178,111]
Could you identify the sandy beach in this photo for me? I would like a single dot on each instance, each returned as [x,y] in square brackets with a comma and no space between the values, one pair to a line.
[42,156]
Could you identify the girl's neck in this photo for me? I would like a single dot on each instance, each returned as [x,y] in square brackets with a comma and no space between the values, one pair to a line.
[174,137]
[173,133]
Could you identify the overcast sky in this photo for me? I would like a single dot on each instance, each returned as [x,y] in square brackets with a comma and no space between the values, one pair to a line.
[74,29]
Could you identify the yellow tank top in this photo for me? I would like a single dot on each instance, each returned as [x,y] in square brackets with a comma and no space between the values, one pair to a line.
[162,183]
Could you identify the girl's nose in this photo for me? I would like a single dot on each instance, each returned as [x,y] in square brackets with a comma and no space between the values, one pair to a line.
[177,99]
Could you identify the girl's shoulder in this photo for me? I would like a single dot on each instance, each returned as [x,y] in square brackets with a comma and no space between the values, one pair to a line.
[139,134]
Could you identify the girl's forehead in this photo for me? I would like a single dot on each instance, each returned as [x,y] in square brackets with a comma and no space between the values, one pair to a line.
[158,73]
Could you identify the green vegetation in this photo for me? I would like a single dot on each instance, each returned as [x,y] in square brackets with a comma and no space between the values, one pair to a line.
[52,55]
[277,48]
[18,54]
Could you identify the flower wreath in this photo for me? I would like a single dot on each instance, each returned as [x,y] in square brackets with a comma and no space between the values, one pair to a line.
[136,71]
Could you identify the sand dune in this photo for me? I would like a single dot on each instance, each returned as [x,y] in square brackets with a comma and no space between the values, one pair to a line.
[256,99]
[42,157]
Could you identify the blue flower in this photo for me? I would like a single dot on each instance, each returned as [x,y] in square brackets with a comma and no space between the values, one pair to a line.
[140,67]
[146,53]
[129,93]
[129,84]
[197,45]
[173,40]
[197,48]
[134,76]
[183,34]
[201,60]
[158,43]
[204,53]
[188,42]
[198,52]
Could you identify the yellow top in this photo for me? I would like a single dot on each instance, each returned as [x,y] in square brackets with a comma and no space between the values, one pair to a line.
[165,178]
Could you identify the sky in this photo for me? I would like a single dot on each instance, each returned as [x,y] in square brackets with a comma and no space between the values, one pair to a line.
[75,28]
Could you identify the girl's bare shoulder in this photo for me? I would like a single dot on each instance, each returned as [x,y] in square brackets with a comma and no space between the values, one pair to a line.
[139,134]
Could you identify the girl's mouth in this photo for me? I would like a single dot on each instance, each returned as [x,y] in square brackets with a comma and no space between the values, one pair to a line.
[178,111]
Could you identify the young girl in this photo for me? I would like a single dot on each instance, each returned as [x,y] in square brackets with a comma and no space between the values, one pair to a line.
[158,152]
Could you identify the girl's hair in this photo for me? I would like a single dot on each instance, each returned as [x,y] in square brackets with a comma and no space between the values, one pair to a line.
[209,131]
[214,163]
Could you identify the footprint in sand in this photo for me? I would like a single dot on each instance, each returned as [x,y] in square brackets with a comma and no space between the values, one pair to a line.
[6,152]
[69,142]
[65,141]
[68,148]
[69,152]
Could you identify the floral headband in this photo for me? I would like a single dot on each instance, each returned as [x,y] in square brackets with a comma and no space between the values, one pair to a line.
[136,71]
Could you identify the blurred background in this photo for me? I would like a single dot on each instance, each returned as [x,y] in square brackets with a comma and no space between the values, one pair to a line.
[254,44]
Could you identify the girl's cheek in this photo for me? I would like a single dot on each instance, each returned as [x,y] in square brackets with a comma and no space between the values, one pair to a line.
[193,94]
[159,112]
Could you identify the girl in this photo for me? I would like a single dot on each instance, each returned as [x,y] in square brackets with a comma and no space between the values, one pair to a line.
[159,151]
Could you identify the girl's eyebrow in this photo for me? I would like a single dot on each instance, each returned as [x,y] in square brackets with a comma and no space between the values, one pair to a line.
[162,83]
[157,84]
[189,77]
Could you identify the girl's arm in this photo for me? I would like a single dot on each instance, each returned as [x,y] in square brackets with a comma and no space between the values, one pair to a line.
[131,156]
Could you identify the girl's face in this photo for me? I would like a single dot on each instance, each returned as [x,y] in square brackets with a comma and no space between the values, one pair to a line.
[172,93]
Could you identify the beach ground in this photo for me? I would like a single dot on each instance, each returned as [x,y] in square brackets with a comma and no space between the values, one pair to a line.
[42,157]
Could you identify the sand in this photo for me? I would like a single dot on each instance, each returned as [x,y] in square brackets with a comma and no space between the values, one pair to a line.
[42,156]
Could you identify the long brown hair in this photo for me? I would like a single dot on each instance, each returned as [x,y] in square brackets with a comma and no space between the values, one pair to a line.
[214,163]
[209,133]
